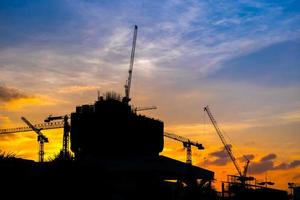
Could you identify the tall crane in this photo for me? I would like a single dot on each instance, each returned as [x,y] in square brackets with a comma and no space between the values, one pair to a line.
[65,119]
[187,143]
[41,138]
[242,174]
[127,86]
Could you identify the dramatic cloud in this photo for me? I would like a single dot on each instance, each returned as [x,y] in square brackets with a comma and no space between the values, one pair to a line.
[281,166]
[295,163]
[266,163]
[221,158]
[71,48]
[8,94]
[200,36]
[268,157]
[291,165]
[12,99]
[261,167]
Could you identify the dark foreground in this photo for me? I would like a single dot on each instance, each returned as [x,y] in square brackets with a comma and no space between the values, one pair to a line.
[145,178]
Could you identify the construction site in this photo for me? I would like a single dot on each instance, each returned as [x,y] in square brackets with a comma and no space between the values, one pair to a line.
[133,168]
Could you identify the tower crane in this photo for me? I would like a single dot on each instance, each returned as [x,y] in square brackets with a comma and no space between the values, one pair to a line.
[41,139]
[37,128]
[144,108]
[127,86]
[65,119]
[187,143]
[242,174]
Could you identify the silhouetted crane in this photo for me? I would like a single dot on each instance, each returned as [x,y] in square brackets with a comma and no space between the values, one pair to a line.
[41,126]
[144,108]
[65,119]
[242,175]
[187,143]
[51,122]
[36,128]
[127,86]
[41,139]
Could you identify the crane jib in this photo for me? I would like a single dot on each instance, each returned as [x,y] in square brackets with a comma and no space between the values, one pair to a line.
[128,81]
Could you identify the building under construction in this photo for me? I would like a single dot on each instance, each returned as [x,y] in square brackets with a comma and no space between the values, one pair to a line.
[112,129]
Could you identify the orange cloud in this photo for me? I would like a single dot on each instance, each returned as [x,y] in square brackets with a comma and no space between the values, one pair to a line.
[21,103]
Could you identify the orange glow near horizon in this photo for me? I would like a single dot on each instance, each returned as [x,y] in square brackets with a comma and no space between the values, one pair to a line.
[24,145]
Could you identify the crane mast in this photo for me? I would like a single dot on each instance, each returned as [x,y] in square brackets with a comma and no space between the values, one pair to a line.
[246,166]
[41,139]
[127,86]
[226,145]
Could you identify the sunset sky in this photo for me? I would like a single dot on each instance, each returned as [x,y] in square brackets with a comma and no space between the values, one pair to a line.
[239,57]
